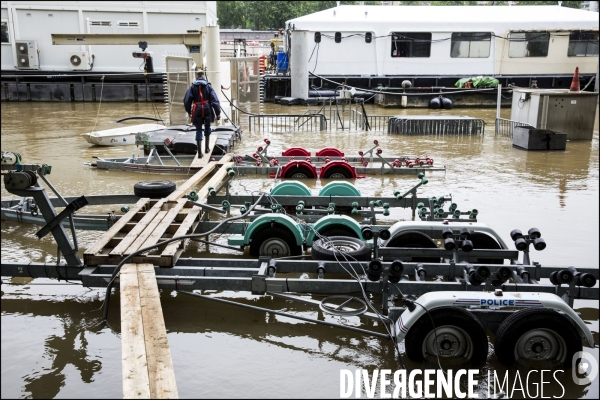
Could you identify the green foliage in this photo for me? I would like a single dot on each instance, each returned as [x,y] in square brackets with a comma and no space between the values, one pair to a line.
[264,15]
[570,4]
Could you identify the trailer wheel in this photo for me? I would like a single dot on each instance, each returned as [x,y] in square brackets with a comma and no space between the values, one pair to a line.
[458,337]
[484,241]
[299,173]
[337,173]
[333,246]
[274,242]
[414,239]
[338,231]
[154,189]
[537,336]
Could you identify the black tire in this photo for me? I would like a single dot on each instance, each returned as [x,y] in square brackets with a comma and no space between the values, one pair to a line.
[274,242]
[154,189]
[484,241]
[449,321]
[338,231]
[337,173]
[299,173]
[414,239]
[352,248]
[529,325]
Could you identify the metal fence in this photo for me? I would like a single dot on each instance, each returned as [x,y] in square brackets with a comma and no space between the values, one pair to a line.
[376,123]
[411,125]
[282,123]
[505,127]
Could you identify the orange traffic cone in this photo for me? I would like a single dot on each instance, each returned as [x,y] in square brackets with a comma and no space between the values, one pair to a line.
[575,88]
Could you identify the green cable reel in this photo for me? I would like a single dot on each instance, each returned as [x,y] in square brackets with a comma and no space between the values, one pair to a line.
[354,207]
[125,209]
[226,205]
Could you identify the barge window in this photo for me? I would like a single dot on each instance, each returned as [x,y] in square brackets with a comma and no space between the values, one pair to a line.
[470,45]
[528,44]
[4,32]
[583,44]
[411,44]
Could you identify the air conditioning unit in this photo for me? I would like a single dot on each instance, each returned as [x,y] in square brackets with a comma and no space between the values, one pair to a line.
[79,60]
[26,54]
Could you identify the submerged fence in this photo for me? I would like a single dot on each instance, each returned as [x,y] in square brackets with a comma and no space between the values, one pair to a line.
[506,127]
[433,125]
[282,123]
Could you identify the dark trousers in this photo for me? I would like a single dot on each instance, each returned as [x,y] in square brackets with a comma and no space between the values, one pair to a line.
[198,124]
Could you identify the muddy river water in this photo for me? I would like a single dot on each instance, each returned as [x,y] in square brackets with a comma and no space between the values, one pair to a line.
[53,344]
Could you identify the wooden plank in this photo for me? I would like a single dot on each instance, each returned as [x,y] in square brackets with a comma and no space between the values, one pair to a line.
[160,365]
[188,222]
[133,234]
[201,162]
[192,182]
[136,381]
[164,224]
[109,234]
[137,244]
[225,159]
[214,182]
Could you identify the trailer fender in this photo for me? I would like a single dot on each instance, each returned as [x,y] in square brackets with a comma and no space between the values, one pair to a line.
[329,152]
[264,221]
[338,169]
[339,188]
[298,169]
[296,151]
[434,229]
[331,221]
[291,188]
[433,300]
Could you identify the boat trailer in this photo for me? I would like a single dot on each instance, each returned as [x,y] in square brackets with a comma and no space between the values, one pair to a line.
[439,300]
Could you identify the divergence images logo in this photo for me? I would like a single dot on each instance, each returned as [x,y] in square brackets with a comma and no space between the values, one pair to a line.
[587,369]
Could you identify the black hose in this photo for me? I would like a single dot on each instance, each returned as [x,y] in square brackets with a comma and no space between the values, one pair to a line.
[195,235]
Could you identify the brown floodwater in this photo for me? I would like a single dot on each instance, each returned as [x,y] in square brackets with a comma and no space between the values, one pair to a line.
[53,344]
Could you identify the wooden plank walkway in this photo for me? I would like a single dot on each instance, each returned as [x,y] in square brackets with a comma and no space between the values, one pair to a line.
[201,162]
[152,220]
[146,357]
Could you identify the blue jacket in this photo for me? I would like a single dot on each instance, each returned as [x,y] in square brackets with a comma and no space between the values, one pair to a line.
[211,109]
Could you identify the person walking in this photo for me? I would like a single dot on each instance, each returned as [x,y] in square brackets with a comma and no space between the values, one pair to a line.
[202,104]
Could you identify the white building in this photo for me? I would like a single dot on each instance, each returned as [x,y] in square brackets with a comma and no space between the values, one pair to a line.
[27,27]
[376,41]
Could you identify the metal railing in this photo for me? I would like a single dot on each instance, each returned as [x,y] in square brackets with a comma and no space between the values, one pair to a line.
[282,123]
[505,127]
[375,122]
[436,126]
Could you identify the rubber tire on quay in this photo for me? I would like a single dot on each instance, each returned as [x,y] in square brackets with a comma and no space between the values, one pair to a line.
[447,316]
[277,232]
[154,189]
[299,173]
[521,322]
[320,250]
[342,173]
[484,241]
[414,239]
[338,231]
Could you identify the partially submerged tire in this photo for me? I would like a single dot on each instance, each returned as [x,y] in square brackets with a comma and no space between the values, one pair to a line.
[335,248]
[274,242]
[483,241]
[154,189]
[537,336]
[337,173]
[299,173]
[458,337]
[414,239]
